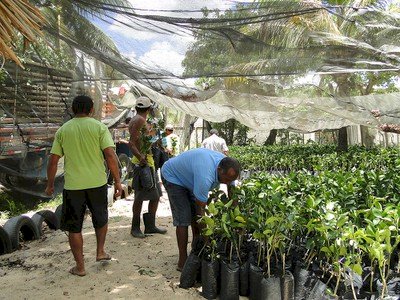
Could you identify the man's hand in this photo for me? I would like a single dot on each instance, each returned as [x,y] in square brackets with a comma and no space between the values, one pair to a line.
[51,173]
[49,190]
[117,189]
[200,208]
[143,160]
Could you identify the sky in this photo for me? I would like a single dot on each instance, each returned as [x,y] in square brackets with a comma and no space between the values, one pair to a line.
[165,51]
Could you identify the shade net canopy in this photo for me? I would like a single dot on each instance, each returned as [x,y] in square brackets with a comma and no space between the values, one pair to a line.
[302,65]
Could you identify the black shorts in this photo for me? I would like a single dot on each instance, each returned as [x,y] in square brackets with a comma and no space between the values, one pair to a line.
[74,207]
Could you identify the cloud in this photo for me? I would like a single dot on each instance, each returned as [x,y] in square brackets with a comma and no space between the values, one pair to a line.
[164,56]
[160,50]
[131,30]
[140,29]
[163,7]
[131,55]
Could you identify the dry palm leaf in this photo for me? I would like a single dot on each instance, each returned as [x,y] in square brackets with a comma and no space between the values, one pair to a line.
[18,16]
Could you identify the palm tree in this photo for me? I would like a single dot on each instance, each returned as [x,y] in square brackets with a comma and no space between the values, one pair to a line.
[63,19]
[18,16]
[70,21]
[353,29]
[297,37]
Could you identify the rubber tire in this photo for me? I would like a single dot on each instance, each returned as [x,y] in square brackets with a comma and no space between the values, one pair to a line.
[58,214]
[17,224]
[5,242]
[46,216]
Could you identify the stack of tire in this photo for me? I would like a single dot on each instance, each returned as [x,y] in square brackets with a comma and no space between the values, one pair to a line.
[24,228]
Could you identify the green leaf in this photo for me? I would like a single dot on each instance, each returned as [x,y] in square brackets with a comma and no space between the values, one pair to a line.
[212,209]
[240,219]
[208,232]
[357,268]
[325,250]
[229,204]
[236,212]
[208,221]
[271,220]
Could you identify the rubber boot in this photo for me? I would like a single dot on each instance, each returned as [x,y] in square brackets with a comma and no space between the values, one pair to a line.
[150,224]
[135,230]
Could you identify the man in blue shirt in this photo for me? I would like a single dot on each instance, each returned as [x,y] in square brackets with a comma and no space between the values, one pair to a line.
[188,178]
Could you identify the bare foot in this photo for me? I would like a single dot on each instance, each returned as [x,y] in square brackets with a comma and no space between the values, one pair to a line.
[104,257]
[74,271]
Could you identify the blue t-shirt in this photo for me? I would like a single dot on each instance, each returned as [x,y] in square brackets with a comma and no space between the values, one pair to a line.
[195,170]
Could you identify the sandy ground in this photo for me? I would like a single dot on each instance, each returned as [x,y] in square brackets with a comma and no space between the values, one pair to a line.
[140,268]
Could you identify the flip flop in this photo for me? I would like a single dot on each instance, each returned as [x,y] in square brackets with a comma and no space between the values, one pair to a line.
[106,258]
[73,271]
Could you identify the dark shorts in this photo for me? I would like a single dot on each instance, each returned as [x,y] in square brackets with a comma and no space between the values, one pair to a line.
[152,194]
[182,202]
[74,207]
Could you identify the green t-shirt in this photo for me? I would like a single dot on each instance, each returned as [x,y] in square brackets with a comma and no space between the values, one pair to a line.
[81,141]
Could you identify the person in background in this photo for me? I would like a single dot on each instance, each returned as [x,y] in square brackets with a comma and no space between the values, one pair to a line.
[214,142]
[188,178]
[172,141]
[140,132]
[84,143]
[125,97]
[122,139]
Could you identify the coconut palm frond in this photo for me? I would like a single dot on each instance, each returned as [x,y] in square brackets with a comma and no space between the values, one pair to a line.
[18,16]
[99,8]
[76,27]
[275,66]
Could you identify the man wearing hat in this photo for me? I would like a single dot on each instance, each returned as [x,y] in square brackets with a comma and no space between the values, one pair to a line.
[126,99]
[139,129]
[172,140]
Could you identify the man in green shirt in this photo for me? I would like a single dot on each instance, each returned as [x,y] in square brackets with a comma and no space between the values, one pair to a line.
[84,143]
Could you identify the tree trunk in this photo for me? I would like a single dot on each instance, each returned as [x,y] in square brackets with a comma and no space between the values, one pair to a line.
[97,91]
[343,88]
[343,144]
[271,139]
[188,127]
[206,126]
[231,131]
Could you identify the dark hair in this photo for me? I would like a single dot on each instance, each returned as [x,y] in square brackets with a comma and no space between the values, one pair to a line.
[214,131]
[82,105]
[127,120]
[141,109]
[229,162]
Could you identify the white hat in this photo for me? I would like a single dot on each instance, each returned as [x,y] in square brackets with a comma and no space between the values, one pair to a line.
[125,86]
[143,102]
[169,127]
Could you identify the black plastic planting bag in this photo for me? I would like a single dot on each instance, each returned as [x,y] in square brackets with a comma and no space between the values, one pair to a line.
[244,279]
[143,178]
[271,288]
[229,281]
[349,296]
[287,286]
[393,287]
[210,278]
[146,177]
[303,282]
[197,244]
[255,277]
[189,272]
[318,292]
